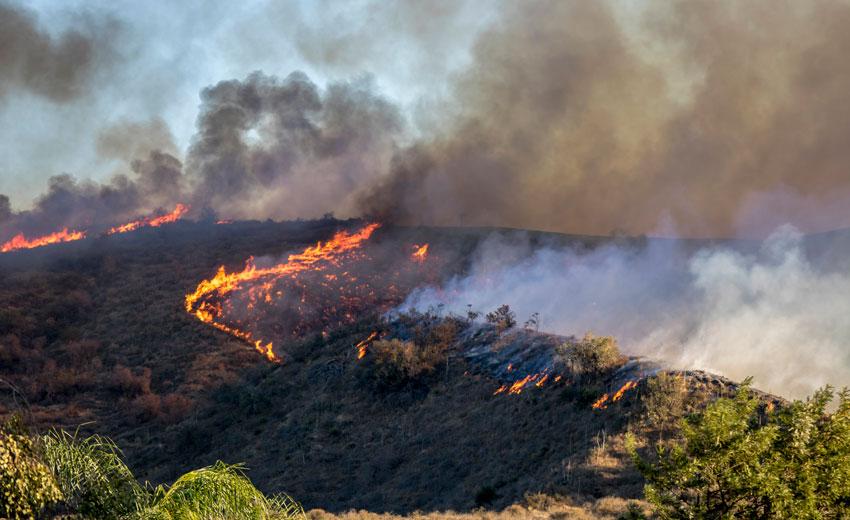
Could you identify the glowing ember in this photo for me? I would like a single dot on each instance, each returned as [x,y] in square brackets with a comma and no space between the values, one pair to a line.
[420,253]
[361,347]
[225,221]
[19,242]
[175,215]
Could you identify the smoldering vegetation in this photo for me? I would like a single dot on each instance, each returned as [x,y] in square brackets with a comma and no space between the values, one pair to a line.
[766,309]
[679,118]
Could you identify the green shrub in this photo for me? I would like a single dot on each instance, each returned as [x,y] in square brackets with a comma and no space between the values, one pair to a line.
[663,399]
[738,460]
[218,492]
[93,479]
[27,486]
[592,354]
[399,363]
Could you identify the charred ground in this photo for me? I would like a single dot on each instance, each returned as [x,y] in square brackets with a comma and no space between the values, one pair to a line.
[94,333]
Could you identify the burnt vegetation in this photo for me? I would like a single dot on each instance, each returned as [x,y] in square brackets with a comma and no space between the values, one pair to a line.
[97,338]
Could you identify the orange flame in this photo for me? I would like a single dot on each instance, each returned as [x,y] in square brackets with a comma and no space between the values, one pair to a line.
[598,404]
[628,386]
[361,347]
[19,242]
[419,255]
[223,284]
[175,215]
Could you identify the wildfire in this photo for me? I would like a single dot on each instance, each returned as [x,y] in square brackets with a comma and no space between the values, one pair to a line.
[517,387]
[361,347]
[325,286]
[600,403]
[19,242]
[419,255]
[175,215]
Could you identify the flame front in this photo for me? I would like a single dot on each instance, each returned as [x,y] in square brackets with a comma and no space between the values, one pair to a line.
[19,242]
[174,216]
[600,403]
[324,286]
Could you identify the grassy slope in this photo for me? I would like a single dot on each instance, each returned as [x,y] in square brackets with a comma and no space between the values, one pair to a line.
[75,314]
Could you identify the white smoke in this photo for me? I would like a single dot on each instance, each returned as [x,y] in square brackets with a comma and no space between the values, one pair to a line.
[765,311]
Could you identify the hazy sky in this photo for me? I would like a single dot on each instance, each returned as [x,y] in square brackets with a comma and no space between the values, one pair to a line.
[158,55]
[688,117]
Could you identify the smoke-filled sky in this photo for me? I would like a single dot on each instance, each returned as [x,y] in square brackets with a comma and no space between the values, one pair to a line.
[686,118]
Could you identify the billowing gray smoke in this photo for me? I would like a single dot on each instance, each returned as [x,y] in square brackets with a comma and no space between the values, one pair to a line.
[283,149]
[723,117]
[265,147]
[769,312]
[56,68]
[711,118]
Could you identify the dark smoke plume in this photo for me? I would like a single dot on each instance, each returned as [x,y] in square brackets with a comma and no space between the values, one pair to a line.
[698,113]
[284,149]
[58,68]
[696,118]
[265,147]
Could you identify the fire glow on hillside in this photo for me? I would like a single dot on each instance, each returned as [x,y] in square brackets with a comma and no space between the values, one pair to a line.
[19,242]
[326,286]
[175,215]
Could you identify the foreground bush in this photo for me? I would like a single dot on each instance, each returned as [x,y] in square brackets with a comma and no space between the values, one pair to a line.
[738,459]
[219,491]
[93,479]
[85,476]
[27,485]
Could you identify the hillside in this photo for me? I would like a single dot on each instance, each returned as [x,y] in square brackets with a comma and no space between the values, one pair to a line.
[95,333]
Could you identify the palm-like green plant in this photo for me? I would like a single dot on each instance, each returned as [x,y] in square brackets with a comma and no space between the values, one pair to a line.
[93,479]
[218,492]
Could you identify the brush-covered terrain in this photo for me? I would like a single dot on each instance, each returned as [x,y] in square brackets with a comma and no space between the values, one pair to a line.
[94,337]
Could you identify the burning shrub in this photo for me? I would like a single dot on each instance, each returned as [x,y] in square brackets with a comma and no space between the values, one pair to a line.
[503,318]
[400,363]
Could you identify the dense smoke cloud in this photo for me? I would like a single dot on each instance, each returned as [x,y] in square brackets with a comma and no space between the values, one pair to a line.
[58,68]
[764,311]
[589,117]
[285,149]
[265,148]
[710,118]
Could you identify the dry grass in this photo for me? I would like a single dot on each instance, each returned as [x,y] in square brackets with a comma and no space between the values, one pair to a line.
[542,507]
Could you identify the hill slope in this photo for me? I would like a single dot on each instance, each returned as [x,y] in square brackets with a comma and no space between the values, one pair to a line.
[95,332]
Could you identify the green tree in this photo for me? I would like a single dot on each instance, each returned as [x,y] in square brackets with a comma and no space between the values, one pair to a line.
[737,459]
